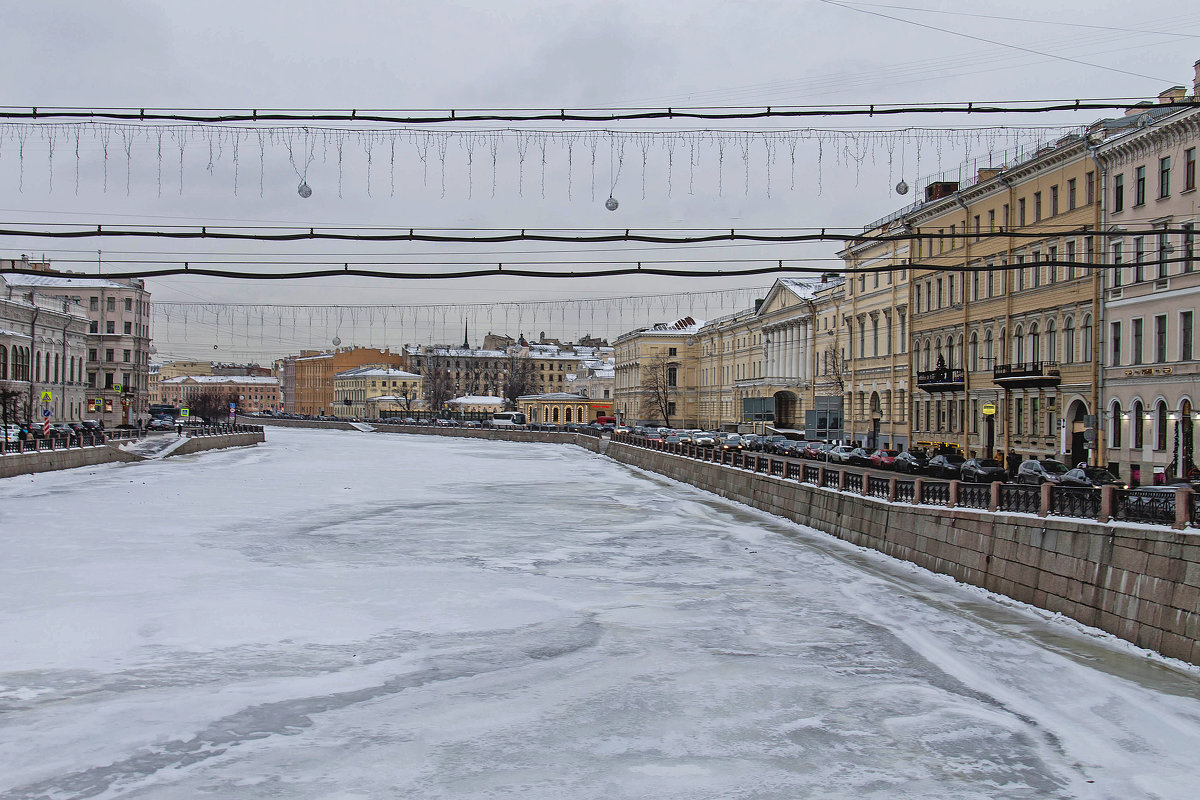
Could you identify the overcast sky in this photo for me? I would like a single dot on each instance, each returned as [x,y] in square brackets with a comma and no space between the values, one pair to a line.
[522,54]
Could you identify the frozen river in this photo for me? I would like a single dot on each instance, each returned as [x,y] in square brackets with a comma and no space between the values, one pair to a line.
[355,615]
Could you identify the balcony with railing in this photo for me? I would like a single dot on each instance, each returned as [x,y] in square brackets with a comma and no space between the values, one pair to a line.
[941,380]
[1027,373]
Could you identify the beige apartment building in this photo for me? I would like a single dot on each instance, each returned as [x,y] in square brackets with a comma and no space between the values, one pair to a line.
[874,320]
[666,354]
[117,370]
[43,347]
[250,393]
[315,371]
[1150,365]
[1002,319]
[363,391]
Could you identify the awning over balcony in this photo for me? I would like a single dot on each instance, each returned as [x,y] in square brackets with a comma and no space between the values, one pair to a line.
[941,380]
[1028,373]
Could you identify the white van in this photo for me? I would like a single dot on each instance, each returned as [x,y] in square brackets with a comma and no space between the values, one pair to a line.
[12,433]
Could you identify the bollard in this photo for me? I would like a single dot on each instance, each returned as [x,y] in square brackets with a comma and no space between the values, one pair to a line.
[994,496]
[918,491]
[1044,505]
[953,501]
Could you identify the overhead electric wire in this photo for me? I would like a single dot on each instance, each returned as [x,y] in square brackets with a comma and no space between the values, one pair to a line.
[639,269]
[756,235]
[990,41]
[579,115]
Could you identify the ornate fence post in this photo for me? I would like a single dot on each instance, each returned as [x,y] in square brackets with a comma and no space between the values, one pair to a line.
[1183,507]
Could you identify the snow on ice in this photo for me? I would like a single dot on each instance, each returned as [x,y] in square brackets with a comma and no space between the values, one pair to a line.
[337,615]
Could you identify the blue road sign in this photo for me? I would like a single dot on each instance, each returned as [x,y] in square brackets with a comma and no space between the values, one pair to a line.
[45,412]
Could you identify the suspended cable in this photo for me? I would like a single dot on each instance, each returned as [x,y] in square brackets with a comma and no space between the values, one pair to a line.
[419,117]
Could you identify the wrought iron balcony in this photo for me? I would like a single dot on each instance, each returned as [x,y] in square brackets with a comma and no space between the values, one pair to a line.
[1027,373]
[941,380]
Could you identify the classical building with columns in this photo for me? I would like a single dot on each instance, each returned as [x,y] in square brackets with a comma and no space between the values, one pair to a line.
[787,317]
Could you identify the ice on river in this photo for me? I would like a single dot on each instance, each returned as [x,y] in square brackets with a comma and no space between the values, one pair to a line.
[363,615]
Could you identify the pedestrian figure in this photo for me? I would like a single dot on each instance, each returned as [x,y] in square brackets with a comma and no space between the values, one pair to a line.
[1014,463]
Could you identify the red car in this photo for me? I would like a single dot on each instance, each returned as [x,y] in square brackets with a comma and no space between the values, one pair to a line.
[884,459]
[812,450]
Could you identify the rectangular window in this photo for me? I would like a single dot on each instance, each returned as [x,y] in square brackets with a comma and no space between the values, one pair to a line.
[93,327]
[1139,186]
[108,380]
[1164,177]
[1185,336]
[110,327]
[1054,201]
[1037,206]
[1021,212]
[1189,169]
[92,354]
[1006,217]
[1071,199]
[1119,193]
[672,376]
[1164,252]
[1052,256]
[108,354]
[1139,259]
[1189,246]
[128,304]
[128,328]
[112,304]
[1090,183]
[1115,341]
[125,356]
[1160,338]
[94,304]
[1135,354]
[671,351]
[1118,258]
[977,227]
[992,221]
[91,380]
[1071,258]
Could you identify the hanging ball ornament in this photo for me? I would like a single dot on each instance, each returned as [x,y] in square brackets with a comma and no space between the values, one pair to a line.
[902,187]
[337,340]
[611,203]
[304,190]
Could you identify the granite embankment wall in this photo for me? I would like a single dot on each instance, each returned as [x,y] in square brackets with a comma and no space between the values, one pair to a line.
[1141,583]
[48,460]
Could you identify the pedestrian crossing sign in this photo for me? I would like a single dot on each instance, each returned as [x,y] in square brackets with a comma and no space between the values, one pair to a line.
[47,397]
[183,412]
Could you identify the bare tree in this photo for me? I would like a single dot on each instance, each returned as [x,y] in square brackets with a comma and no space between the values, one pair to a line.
[835,367]
[659,383]
[11,401]
[439,383]
[212,404]
[518,378]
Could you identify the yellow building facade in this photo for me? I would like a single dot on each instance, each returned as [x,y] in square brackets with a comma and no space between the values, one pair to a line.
[667,353]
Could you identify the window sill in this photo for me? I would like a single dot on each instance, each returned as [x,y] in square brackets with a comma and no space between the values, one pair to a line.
[1189,190]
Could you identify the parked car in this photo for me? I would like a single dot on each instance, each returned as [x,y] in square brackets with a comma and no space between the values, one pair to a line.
[1038,472]
[946,465]
[812,449]
[911,462]
[789,447]
[839,454]
[859,457]
[769,444]
[161,425]
[884,459]
[704,439]
[733,443]
[1091,476]
[983,470]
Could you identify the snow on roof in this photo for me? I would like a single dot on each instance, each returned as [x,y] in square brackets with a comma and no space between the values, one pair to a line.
[18,334]
[552,396]
[62,282]
[807,288]
[261,380]
[375,372]
[478,400]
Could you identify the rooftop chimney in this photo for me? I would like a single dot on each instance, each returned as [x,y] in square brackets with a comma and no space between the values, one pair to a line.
[1172,95]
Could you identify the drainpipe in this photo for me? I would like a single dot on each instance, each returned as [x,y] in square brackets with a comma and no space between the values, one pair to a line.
[966,438]
[1098,305]
[1001,345]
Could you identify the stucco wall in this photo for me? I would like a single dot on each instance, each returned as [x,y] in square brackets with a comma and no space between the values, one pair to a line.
[1141,583]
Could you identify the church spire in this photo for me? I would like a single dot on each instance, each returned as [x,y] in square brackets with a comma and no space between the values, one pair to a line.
[466,344]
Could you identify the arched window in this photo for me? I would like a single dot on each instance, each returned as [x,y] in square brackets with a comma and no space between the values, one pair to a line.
[1051,341]
[3,363]
[1086,332]
[973,357]
[56,366]
[1018,344]
[567,413]
[554,414]
[1160,426]
[1114,435]
[938,353]
[1035,343]
[989,354]
[1136,419]
[927,346]
[37,368]
[1069,341]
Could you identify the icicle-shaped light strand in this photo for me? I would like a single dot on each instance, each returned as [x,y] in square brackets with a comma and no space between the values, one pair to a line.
[50,139]
[262,163]
[181,136]
[522,149]
[77,161]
